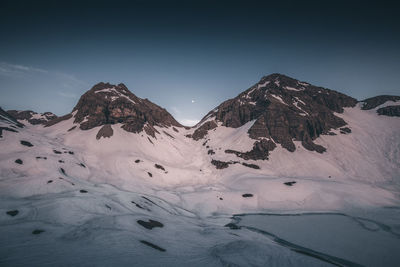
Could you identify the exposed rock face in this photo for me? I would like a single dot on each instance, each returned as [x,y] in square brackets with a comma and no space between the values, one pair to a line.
[57,120]
[393,111]
[105,131]
[220,164]
[8,123]
[284,110]
[32,117]
[107,104]
[200,132]
[9,119]
[375,101]
[260,150]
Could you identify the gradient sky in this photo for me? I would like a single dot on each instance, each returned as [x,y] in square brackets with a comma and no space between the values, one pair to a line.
[173,52]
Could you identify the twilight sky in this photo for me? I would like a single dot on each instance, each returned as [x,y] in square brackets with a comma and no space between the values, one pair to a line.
[173,52]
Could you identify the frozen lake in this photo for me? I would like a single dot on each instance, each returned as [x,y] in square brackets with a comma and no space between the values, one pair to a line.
[332,237]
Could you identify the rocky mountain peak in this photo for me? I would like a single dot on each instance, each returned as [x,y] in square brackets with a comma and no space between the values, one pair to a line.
[283,110]
[106,104]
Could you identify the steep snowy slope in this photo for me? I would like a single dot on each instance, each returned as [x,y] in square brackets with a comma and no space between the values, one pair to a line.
[119,182]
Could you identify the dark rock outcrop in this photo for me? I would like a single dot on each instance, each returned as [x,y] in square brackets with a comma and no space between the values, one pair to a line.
[26,143]
[232,226]
[283,110]
[220,164]
[57,120]
[253,166]
[12,213]
[19,161]
[150,224]
[6,129]
[158,166]
[9,119]
[345,130]
[106,131]
[260,150]
[247,195]
[38,231]
[373,102]
[289,183]
[392,111]
[200,132]
[152,245]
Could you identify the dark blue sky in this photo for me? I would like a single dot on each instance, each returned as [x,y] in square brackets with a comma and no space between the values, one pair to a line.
[173,52]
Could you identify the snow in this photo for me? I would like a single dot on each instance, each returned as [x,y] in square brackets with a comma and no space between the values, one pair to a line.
[262,85]
[118,94]
[303,83]
[328,216]
[277,97]
[304,113]
[292,88]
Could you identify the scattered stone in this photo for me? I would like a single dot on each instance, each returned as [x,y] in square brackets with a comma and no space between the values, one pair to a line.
[210,152]
[290,183]
[221,198]
[152,245]
[63,171]
[19,161]
[49,181]
[329,176]
[176,130]
[71,152]
[137,161]
[149,173]
[345,130]
[82,165]
[254,166]
[37,231]
[72,128]
[83,191]
[158,166]
[331,133]
[108,207]
[247,195]
[12,213]
[150,224]
[56,151]
[232,226]
[61,161]
[41,158]
[26,143]
[150,140]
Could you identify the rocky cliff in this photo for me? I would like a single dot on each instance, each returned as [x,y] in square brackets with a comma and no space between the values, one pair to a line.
[283,110]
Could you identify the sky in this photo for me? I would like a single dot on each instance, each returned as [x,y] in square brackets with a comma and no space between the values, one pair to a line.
[189,56]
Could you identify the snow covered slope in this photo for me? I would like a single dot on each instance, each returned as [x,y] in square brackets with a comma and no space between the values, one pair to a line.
[172,196]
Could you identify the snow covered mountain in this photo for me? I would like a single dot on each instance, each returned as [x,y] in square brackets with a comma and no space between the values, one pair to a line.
[118,181]
[29,116]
